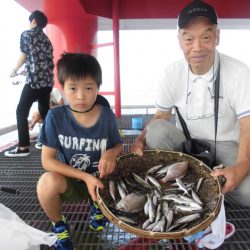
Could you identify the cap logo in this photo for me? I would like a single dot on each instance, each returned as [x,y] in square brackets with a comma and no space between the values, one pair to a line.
[197,9]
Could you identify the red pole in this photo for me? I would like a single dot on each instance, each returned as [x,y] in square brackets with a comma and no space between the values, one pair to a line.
[117,89]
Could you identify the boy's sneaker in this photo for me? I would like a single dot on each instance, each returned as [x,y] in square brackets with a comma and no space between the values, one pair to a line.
[17,152]
[61,229]
[39,145]
[97,219]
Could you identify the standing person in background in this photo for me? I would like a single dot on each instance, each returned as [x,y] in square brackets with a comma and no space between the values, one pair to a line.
[37,55]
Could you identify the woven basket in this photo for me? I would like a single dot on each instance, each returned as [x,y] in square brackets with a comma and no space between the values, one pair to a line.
[209,193]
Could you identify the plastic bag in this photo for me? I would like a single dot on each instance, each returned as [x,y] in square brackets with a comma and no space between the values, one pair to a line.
[215,234]
[16,234]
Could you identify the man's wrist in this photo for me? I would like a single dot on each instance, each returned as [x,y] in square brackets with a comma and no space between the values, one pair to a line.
[243,165]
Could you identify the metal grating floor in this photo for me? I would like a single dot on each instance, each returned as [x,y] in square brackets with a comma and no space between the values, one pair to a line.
[23,173]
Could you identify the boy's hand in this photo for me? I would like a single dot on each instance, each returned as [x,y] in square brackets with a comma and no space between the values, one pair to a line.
[92,182]
[106,164]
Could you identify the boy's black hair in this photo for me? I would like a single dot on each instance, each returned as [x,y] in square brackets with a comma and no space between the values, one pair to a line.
[40,18]
[78,66]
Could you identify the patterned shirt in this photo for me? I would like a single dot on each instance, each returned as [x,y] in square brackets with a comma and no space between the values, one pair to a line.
[39,58]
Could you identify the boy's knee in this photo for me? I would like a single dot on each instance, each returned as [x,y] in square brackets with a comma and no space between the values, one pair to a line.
[50,180]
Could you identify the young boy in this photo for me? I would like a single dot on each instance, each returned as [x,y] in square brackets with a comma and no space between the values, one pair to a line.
[88,142]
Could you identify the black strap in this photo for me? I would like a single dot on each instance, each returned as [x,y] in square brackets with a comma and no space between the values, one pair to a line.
[216,108]
[183,125]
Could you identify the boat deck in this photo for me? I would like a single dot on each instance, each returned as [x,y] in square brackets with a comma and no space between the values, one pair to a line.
[23,173]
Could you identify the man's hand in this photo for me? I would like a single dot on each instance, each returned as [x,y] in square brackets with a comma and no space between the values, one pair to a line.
[233,175]
[139,144]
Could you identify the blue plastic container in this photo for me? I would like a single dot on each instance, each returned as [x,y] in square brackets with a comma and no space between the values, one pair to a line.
[136,123]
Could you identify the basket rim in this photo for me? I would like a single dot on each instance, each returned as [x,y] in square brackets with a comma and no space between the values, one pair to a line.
[162,235]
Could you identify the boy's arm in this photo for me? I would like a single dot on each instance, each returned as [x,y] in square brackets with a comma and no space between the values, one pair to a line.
[107,162]
[52,164]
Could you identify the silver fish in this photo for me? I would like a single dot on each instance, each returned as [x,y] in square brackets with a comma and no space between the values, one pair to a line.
[163,170]
[171,190]
[196,197]
[152,208]
[157,193]
[176,199]
[187,184]
[112,189]
[159,227]
[199,184]
[158,212]
[154,169]
[151,226]
[175,170]
[190,201]
[186,198]
[164,208]
[123,185]
[132,203]
[179,226]
[181,208]
[146,224]
[188,218]
[154,182]
[146,208]
[182,201]
[121,190]
[155,200]
[169,197]
[169,218]
[126,220]
[181,185]
[140,181]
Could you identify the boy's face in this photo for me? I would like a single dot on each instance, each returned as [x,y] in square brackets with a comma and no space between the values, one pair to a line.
[80,94]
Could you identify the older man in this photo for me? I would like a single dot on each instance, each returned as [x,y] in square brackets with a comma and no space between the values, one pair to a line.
[189,85]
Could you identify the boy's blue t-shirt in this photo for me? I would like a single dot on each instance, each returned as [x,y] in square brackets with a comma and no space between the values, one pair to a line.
[78,146]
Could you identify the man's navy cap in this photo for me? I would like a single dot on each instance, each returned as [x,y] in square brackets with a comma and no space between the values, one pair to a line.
[194,9]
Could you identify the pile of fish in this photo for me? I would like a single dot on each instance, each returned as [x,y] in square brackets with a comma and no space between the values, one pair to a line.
[162,198]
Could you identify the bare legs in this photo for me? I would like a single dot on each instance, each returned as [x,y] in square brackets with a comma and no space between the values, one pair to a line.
[49,188]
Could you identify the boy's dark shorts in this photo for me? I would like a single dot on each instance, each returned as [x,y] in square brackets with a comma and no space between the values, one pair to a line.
[76,192]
